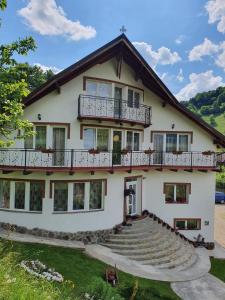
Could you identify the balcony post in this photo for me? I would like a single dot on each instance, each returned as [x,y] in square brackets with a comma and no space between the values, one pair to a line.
[25,158]
[71,159]
[191,160]
[79,99]
[131,159]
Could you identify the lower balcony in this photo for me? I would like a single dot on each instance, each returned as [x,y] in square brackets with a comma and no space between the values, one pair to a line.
[92,160]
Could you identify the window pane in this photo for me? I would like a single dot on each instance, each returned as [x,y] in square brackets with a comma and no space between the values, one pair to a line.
[103,139]
[171,142]
[183,142]
[193,224]
[20,195]
[78,195]
[129,140]
[92,88]
[60,196]
[28,142]
[40,137]
[130,98]
[169,193]
[36,195]
[136,141]
[136,99]
[95,195]
[89,138]
[180,224]
[105,90]
[181,192]
[4,193]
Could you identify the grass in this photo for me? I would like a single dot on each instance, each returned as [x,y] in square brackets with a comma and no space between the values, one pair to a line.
[220,122]
[76,267]
[217,268]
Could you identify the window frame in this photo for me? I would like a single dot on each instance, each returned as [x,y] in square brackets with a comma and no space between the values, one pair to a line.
[96,129]
[26,209]
[186,220]
[33,137]
[133,133]
[98,83]
[178,134]
[70,199]
[175,184]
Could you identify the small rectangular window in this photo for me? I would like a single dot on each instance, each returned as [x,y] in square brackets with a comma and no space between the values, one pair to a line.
[60,196]
[20,195]
[4,193]
[187,224]
[78,195]
[105,90]
[89,138]
[181,193]
[40,137]
[169,193]
[176,192]
[95,201]
[36,195]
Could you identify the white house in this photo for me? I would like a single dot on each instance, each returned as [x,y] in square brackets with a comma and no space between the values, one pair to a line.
[111,141]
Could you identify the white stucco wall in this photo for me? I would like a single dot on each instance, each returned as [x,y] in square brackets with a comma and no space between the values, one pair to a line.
[63,108]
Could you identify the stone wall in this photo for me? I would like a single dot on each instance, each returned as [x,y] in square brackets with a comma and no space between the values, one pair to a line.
[87,237]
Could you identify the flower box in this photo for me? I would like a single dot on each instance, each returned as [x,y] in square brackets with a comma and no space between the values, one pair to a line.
[48,151]
[208,152]
[149,151]
[177,152]
[93,151]
[124,151]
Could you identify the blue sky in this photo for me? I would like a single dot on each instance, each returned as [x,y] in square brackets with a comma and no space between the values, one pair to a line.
[182,40]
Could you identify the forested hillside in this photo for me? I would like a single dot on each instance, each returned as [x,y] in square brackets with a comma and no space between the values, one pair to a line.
[210,106]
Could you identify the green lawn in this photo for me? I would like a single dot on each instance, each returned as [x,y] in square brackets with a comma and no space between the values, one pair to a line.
[220,122]
[218,268]
[78,268]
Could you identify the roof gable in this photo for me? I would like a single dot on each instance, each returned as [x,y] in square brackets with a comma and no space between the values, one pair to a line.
[123,49]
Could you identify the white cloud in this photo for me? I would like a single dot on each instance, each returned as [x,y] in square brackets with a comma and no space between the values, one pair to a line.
[180,76]
[163,56]
[206,48]
[179,40]
[220,59]
[199,83]
[163,76]
[45,17]
[216,12]
[55,70]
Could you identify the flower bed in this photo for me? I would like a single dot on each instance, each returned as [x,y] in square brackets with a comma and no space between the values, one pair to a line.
[35,267]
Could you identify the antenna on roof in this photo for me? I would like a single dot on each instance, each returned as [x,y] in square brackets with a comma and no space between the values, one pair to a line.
[123,29]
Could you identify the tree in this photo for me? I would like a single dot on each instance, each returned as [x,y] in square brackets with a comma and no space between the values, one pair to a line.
[13,90]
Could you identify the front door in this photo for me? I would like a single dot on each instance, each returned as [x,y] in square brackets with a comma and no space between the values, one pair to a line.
[117,147]
[117,102]
[132,198]
[59,135]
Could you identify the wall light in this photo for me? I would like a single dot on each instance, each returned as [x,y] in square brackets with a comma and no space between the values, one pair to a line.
[39,117]
[173,126]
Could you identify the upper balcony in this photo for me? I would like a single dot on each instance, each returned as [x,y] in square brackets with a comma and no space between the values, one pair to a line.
[111,109]
[49,160]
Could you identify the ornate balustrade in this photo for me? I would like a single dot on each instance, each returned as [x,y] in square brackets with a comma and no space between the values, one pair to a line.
[102,108]
[29,159]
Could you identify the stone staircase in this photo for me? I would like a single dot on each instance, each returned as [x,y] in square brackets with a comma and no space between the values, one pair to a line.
[149,243]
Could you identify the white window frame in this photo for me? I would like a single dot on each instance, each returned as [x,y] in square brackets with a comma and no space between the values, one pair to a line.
[135,91]
[175,192]
[70,186]
[27,196]
[178,134]
[186,221]
[133,131]
[96,136]
[98,82]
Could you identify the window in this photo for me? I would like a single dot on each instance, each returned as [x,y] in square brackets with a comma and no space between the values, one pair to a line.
[38,141]
[78,195]
[61,196]
[187,224]
[20,195]
[36,195]
[40,137]
[4,193]
[96,138]
[176,192]
[133,99]
[133,141]
[95,195]
[171,142]
[103,139]
[101,89]
[183,142]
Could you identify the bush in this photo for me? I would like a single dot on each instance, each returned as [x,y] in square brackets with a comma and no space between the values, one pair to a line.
[100,290]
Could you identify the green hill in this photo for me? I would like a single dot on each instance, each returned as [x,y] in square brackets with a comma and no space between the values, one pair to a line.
[210,106]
